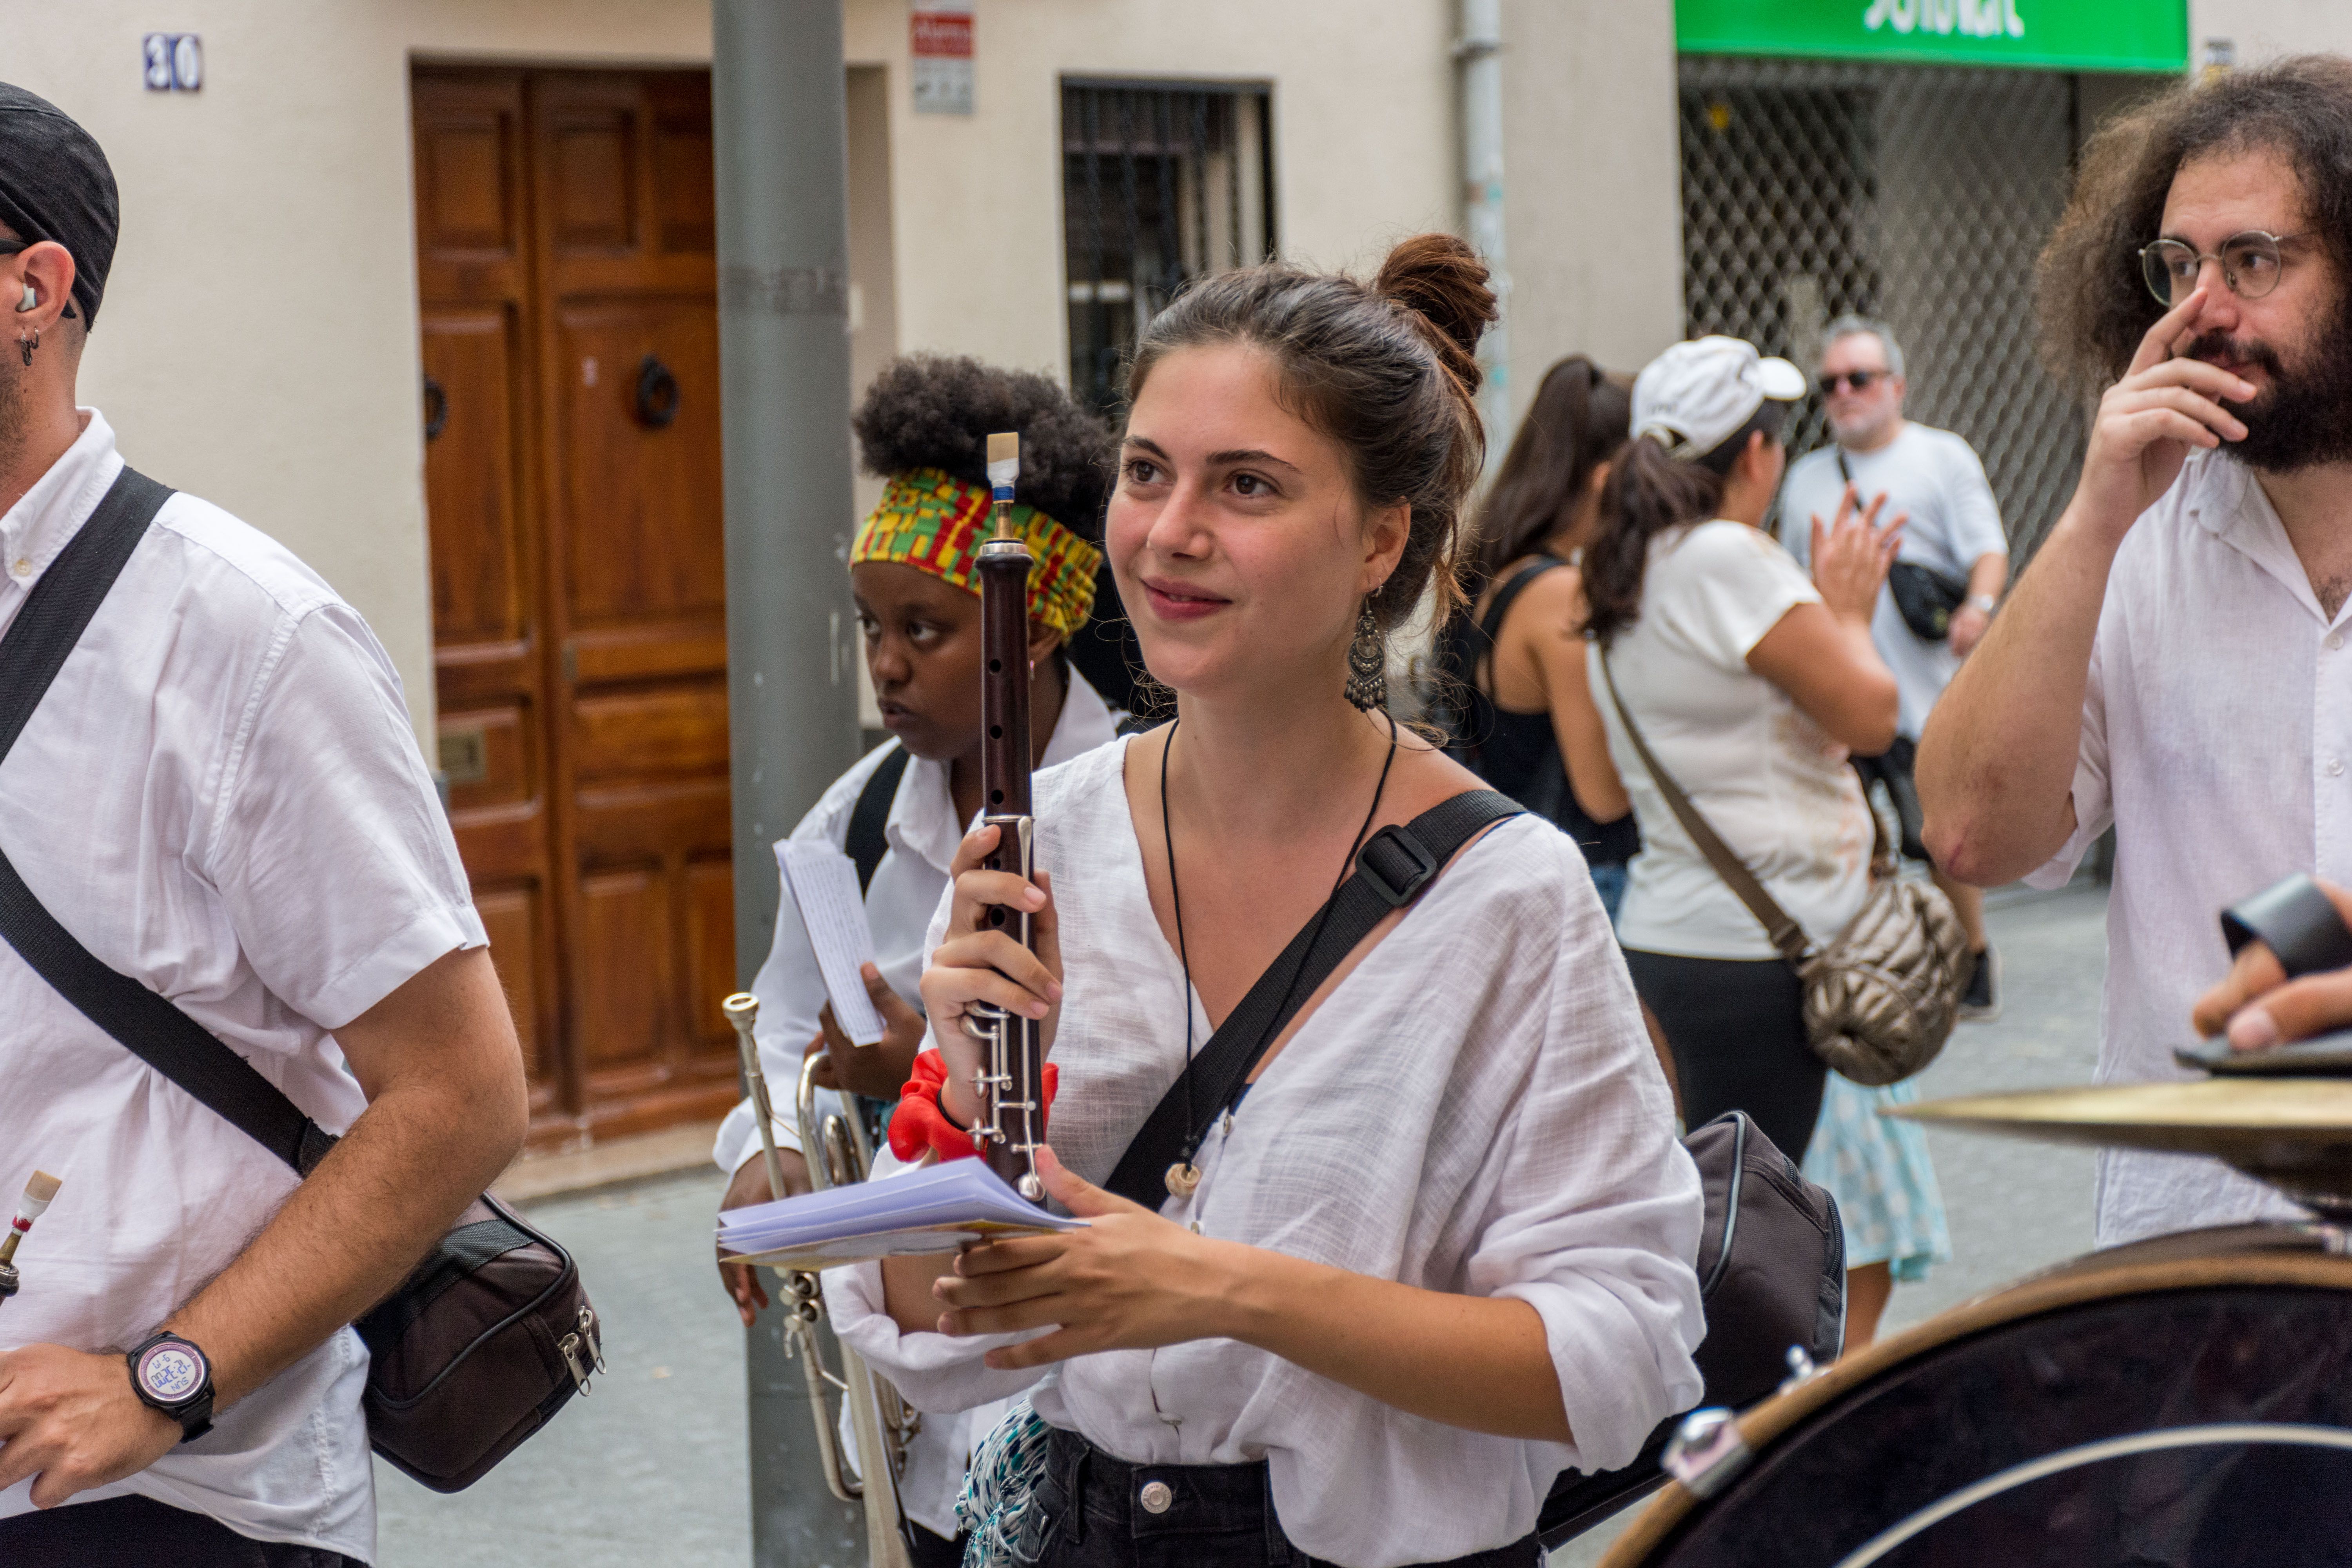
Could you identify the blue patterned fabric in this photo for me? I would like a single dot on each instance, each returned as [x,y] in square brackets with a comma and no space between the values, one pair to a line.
[1878,1170]
[1006,1467]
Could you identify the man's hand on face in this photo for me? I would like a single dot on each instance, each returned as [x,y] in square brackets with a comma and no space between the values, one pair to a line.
[73,1419]
[1968,629]
[2148,421]
[877,1071]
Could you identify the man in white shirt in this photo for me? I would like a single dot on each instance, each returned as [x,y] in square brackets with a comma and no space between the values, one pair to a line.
[2174,662]
[1932,482]
[220,796]
[923,424]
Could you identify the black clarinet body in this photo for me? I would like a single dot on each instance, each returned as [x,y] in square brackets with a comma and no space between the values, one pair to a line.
[1012,1074]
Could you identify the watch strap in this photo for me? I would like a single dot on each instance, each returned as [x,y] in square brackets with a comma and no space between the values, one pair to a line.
[195,1412]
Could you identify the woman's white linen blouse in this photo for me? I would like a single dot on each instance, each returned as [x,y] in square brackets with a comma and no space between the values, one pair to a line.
[1474,1109]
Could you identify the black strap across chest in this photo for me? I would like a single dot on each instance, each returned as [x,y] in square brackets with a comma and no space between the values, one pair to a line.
[1393,867]
[867,843]
[35,648]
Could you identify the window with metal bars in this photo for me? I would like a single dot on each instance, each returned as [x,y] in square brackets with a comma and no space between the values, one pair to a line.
[1917,194]
[1161,182]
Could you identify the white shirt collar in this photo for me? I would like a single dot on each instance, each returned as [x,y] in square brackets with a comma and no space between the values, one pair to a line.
[922,818]
[2225,498]
[60,502]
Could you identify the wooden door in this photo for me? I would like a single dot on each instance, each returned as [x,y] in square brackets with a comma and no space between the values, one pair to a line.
[566,260]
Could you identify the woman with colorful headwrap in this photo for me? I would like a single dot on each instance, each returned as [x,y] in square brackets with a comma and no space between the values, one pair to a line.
[924,427]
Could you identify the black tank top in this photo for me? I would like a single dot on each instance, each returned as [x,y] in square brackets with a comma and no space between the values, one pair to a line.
[1518,754]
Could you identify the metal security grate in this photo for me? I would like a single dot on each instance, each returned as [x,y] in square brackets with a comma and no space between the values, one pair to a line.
[1919,194]
[1160,183]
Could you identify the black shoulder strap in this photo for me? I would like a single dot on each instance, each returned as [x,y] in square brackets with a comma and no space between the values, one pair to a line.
[1490,625]
[1392,869]
[867,843]
[35,648]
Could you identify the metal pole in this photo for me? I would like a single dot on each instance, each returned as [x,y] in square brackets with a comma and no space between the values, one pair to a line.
[778,115]
[1479,56]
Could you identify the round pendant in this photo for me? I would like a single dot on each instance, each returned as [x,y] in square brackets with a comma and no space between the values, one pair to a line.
[1183,1179]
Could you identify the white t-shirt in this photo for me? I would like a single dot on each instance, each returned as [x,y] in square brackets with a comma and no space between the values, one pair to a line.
[2217,736]
[1770,781]
[1934,476]
[1474,1109]
[221,797]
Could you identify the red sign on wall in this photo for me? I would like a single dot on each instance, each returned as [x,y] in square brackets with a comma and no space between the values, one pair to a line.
[942,32]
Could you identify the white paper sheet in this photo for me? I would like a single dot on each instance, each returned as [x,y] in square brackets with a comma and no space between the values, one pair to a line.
[936,1209]
[823,884]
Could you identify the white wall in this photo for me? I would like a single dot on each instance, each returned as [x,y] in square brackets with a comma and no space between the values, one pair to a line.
[2263,30]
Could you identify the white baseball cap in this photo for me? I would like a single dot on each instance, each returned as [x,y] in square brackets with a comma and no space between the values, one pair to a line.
[1696,395]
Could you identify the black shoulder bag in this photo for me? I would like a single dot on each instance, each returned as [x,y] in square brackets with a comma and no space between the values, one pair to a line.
[492,1333]
[1927,598]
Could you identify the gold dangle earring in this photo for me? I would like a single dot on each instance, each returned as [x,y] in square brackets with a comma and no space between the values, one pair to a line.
[1367,663]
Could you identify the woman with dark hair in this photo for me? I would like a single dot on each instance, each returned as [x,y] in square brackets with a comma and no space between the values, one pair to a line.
[1437,1249]
[923,425]
[1750,685]
[1526,720]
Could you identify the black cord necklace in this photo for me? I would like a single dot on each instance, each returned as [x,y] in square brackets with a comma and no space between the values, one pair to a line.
[1184,1176]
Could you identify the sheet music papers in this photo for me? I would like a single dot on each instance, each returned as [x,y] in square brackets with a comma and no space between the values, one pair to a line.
[823,884]
[936,1209]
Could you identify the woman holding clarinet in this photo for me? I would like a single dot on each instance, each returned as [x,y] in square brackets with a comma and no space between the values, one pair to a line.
[1435,1247]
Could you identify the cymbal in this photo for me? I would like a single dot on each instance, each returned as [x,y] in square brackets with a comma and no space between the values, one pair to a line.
[2294,1134]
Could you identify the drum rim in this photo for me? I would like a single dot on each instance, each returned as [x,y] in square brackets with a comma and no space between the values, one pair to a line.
[2084,1279]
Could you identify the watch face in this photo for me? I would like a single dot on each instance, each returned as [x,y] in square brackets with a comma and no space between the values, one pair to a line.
[171,1373]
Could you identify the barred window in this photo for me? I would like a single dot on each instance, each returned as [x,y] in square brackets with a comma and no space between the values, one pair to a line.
[1161,182]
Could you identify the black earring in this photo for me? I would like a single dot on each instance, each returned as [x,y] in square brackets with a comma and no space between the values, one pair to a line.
[25,344]
[1367,663]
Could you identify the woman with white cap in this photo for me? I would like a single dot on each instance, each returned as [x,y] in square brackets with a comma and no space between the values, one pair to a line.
[1750,684]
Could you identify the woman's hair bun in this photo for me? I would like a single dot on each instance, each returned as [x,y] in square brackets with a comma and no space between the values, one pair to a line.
[1439,277]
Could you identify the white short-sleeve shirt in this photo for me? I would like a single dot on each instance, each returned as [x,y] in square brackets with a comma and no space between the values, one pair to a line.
[1934,478]
[221,797]
[1770,781]
[2217,739]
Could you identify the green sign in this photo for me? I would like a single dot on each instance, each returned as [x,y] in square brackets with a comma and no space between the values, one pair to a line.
[2043,35]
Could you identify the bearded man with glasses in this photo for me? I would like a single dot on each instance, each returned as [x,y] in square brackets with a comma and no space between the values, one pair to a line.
[1932,482]
[2174,661]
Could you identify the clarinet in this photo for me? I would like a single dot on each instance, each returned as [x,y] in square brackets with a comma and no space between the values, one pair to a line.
[1012,1078]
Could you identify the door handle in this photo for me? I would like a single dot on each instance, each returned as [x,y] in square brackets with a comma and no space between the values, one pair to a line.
[657,394]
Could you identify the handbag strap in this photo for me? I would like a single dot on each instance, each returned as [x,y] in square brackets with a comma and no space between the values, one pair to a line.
[1393,867]
[35,648]
[865,841]
[1786,934]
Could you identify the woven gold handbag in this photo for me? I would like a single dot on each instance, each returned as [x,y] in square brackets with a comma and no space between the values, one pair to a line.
[1881,996]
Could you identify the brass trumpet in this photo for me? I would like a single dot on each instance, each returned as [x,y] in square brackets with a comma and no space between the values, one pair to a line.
[838,1152]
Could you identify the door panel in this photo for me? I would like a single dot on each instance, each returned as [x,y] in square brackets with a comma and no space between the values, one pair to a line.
[565,245]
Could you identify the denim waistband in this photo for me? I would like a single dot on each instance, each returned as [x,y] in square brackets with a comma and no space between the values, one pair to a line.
[1099,1495]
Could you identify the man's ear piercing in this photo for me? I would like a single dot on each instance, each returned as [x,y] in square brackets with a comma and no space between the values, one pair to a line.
[32,300]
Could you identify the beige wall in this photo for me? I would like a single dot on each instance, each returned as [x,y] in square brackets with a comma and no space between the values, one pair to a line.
[2263,30]
[1363,136]
[259,340]
[1593,159]
[259,345]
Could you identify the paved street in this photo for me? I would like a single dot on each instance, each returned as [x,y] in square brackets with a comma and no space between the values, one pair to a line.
[650,1469]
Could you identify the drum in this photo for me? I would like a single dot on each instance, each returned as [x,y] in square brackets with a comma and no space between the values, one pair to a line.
[2180,1403]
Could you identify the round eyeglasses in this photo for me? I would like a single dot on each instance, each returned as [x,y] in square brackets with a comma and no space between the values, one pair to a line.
[2249,265]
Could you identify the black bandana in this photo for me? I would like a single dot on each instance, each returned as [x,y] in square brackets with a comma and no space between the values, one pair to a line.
[54,184]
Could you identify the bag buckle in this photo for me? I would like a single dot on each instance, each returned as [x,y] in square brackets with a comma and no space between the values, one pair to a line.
[1419,865]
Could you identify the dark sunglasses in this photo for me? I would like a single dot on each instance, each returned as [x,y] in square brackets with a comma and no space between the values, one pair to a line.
[1860,380]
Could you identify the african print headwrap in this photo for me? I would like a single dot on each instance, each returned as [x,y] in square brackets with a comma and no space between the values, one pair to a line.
[936,524]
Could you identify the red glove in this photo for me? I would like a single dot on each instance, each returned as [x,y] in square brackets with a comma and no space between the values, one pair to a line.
[921,1124]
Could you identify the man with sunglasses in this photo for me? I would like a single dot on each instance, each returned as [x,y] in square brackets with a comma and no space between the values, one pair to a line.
[2175,660]
[1932,481]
